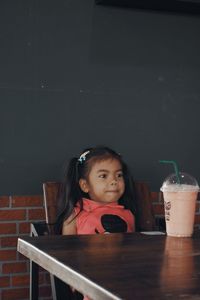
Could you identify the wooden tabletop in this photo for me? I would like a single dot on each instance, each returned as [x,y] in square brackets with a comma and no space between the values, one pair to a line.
[121,266]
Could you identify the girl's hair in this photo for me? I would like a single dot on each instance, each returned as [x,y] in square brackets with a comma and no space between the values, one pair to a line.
[71,193]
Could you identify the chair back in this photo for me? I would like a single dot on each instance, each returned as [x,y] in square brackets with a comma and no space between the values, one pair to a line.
[145,220]
[50,192]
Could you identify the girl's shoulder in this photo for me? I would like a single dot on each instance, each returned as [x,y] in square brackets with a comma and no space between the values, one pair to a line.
[69,225]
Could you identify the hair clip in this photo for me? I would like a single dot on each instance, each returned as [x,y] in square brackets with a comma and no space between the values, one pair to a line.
[82,158]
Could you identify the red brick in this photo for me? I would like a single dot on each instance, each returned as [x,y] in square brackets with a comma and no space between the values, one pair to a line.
[45,291]
[17,267]
[154,196]
[4,201]
[158,209]
[7,255]
[47,278]
[9,241]
[44,278]
[161,198]
[7,228]
[197,206]
[13,214]
[42,270]
[22,257]
[16,294]
[4,281]
[20,280]
[36,214]
[27,201]
[197,219]
[24,227]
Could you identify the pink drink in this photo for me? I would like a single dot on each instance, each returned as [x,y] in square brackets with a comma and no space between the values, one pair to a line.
[180,203]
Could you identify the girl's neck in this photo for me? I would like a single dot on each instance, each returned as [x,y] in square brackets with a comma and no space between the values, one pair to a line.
[100,202]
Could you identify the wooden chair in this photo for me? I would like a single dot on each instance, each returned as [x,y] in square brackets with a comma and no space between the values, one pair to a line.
[145,221]
[60,290]
[50,192]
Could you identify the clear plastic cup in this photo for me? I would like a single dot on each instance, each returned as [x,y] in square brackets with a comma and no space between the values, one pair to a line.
[180,195]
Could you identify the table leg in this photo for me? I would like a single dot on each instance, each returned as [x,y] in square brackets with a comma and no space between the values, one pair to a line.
[34,273]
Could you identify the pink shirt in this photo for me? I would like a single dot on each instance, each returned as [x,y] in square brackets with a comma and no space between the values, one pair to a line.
[100,218]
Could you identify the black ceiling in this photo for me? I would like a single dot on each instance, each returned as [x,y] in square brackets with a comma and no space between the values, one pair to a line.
[186,6]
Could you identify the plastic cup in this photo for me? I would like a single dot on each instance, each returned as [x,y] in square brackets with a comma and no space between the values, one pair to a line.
[180,195]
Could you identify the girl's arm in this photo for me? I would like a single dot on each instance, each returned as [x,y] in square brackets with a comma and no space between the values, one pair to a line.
[69,225]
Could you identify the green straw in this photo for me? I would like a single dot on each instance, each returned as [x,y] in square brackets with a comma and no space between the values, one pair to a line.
[175,168]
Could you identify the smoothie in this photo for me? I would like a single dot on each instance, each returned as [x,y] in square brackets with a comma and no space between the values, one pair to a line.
[180,203]
[180,195]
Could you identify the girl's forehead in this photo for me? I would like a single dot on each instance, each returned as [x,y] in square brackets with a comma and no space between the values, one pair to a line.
[106,164]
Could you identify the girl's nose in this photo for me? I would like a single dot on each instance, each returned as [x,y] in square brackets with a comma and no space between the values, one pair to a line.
[114,182]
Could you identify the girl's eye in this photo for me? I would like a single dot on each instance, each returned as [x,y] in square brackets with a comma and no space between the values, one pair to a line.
[102,175]
[119,175]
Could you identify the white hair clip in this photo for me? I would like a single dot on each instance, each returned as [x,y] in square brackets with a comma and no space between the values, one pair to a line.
[82,158]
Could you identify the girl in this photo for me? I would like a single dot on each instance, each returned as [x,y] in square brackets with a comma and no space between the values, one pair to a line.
[97,195]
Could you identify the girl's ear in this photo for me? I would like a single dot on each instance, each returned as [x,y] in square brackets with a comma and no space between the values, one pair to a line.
[83,185]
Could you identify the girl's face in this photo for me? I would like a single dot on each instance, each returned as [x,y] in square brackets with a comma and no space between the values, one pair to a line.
[105,182]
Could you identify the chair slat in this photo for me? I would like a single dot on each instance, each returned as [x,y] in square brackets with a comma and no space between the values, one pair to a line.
[145,219]
[50,190]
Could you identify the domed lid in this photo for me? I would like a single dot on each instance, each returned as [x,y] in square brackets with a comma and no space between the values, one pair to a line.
[182,183]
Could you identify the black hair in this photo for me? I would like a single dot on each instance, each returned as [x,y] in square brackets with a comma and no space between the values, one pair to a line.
[70,192]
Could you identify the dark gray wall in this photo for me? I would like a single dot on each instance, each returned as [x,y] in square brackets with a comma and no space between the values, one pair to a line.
[73,75]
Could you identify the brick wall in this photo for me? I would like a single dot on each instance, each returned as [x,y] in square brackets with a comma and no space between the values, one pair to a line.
[16,214]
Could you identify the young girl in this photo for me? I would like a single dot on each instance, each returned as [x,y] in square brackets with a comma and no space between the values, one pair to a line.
[97,195]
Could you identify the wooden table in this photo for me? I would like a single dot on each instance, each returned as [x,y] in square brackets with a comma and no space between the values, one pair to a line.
[121,266]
